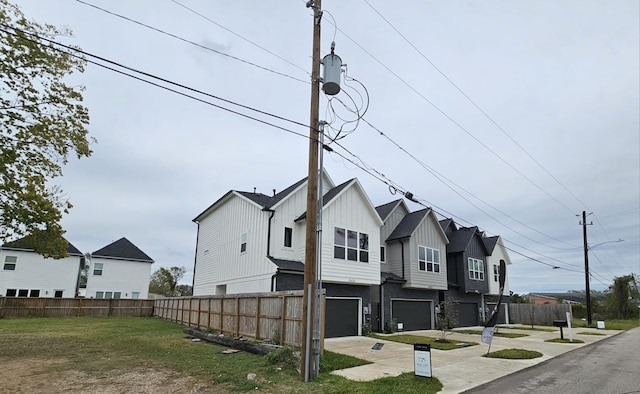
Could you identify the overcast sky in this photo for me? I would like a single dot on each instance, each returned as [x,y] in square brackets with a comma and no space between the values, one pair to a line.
[527,112]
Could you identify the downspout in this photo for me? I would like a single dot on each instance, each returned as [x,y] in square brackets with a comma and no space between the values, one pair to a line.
[273,282]
[269,230]
[402,256]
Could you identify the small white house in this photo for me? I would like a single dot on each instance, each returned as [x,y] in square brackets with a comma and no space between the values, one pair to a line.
[119,270]
[26,273]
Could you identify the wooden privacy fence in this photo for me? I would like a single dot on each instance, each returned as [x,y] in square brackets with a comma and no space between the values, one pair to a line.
[543,314]
[50,307]
[275,315]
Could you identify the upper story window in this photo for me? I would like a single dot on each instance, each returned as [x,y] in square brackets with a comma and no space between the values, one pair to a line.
[243,243]
[428,259]
[476,269]
[383,254]
[97,269]
[10,263]
[351,245]
[288,237]
[496,273]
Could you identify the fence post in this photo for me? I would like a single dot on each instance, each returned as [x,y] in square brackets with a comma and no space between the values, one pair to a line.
[283,318]
[237,316]
[209,312]
[2,302]
[221,315]
[258,318]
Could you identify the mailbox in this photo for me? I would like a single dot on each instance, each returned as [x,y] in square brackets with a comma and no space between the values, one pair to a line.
[560,323]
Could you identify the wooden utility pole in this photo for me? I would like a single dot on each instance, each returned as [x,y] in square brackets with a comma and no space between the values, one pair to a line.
[308,307]
[586,266]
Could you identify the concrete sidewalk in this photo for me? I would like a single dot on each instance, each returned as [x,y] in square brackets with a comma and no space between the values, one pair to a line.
[458,369]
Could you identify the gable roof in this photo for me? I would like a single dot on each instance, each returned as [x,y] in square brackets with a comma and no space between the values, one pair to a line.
[385,210]
[408,225]
[490,243]
[459,240]
[122,249]
[328,196]
[446,223]
[26,245]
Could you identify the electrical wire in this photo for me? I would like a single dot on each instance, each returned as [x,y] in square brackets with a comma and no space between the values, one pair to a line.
[192,43]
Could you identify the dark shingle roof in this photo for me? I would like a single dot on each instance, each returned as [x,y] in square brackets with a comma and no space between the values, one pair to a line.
[385,209]
[459,240]
[445,223]
[26,245]
[258,198]
[490,243]
[288,265]
[328,197]
[408,225]
[122,249]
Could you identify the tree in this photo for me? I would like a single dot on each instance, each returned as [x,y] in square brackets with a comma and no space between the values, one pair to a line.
[446,317]
[621,299]
[165,281]
[42,122]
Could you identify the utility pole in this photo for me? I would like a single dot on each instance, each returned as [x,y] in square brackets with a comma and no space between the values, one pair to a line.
[586,266]
[312,199]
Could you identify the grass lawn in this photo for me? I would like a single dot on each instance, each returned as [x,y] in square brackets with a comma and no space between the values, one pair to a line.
[590,333]
[497,334]
[95,345]
[528,328]
[413,339]
[514,354]
[564,340]
[608,324]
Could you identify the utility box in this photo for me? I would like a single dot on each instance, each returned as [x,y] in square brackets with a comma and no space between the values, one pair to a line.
[331,74]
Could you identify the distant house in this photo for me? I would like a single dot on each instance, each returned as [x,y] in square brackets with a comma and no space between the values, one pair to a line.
[563,298]
[413,268]
[119,270]
[250,242]
[26,273]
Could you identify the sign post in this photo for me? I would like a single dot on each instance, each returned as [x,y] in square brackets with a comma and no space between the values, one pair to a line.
[422,360]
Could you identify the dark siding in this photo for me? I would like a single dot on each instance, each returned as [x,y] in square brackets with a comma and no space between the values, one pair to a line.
[286,282]
[475,250]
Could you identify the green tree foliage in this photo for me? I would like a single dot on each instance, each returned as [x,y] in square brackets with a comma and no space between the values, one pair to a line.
[42,122]
[518,299]
[621,300]
[446,317]
[165,281]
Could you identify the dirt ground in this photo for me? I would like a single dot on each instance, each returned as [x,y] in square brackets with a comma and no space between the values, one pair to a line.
[40,376]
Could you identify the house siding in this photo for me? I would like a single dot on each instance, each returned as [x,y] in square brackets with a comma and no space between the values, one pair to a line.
[428,235]
[124,276]
[391,222]
[499,253]
[475,250]
[34,272]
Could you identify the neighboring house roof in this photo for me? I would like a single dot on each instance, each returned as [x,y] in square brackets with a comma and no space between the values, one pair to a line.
[288,265]
[460,239]
[490,243]
[445,223]
[408,225]
[25,244]
[571,297]
[385,210]
[122,249]
[328,196]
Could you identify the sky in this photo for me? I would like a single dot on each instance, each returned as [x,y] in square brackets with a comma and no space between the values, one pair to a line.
[514,116]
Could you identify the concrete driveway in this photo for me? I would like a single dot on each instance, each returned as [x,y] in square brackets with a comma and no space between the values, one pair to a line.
[459,369]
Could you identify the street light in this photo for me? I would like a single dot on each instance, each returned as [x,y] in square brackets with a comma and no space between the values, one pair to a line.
[587,248]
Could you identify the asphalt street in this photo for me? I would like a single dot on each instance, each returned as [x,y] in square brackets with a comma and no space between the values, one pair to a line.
[610,366]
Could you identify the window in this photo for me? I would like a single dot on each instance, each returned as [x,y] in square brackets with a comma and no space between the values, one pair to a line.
[496,273]
[383,254]
[99,294]
[288,237]
[476,269]
[135,295]
[243,243]
[108,294]
[116,295]
[350,245]
[428,259]
[97,269]
[23,293]
[58,293]
[12,292]
[34,293]
[10,263]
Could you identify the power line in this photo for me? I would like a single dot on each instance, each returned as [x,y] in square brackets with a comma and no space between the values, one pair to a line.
[465,95]
[191,42]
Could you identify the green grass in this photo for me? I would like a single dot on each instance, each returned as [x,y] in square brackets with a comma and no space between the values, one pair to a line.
[98,345]
[529,328]
[609,324]
[413,339]
[564,340]
[590,333]
[497,334]
[514,354]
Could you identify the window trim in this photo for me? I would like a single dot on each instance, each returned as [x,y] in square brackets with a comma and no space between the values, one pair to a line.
[8,264]
[496,273]
[243,243]
[383,254]
[95,269]
[350,245]
[288,237]
[427,265]
[473,270]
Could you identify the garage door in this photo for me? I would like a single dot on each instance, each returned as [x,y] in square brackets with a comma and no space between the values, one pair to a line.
[414,315]
[341,317]
[467,314]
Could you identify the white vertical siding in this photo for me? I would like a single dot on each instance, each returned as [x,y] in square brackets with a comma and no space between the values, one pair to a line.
[499,253]
[34,272]
[124,276]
